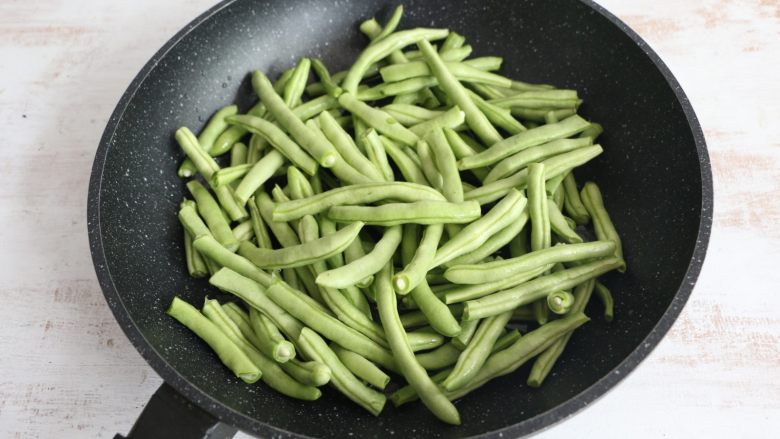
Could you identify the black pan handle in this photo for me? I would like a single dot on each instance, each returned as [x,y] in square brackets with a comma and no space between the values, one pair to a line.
[170,415]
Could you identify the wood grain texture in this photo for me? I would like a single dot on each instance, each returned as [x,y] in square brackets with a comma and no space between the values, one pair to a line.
[68,371]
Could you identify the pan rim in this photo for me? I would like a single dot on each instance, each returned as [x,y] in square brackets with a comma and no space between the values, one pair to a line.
[534,424]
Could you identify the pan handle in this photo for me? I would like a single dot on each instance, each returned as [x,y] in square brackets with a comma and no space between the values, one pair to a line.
[169,414]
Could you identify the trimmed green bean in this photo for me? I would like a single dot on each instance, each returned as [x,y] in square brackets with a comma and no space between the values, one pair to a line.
[475,234]
[522,159]
[451,118]
[484,272]
[419,212]
[494,243]
[385,47]
[227,351]
[311,373]
[410,114]
[302,254]
[259,174]
[257,145]
[196,267]
[533,137]
[278,139]
[536,289]
[362,368]
[477,351]
[330,327]
[213,250]
[268,338]
[243,231]
[545,361]
[415,375]
[593,131]
[346,147]
[354,194]
[212,214]
[328,84]
[475,119]
[298,184]
[352,273]
[215,127]
[189,218]
[534,99]
[572,201]
[467,330]
[293,89]
[602,223]
[378,119]
[420,262]
[424,340]
[228,175]
[341,378]
[537,208]
[408,167]
[464,71]
[377,154]
[560,302]
[560,227]
[238,153]
[428,166]
[261,231]
[447,166]
[500,117]
[605,296]
[324,153]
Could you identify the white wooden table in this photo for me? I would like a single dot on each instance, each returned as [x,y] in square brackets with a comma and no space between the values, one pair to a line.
[67,371]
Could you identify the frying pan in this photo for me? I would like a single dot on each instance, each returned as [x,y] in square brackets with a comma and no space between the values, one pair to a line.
[654,173]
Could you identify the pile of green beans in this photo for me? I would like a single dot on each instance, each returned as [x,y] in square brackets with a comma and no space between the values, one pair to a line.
[400,216]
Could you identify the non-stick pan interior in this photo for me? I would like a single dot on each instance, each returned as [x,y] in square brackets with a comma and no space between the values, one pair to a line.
[650,175]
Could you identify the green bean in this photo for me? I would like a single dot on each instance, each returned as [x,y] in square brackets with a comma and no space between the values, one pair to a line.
[324,153]
[452,55]
[428,166]
[462,149]
[215,126]
[477,351]
[238,154]
[243,231]
[532,115]
[560,302]
[475,119]
[259,174]
[352,273]
[537,208]
[269,340]
[536,289]
[545,361]
[329,326]
[560,227]
[420,212]
[213,250]
[257,145]
[408,167]
[378,119]
[436,312]
[311,373]
[362,368]
[602,223]
[347,147]
[547,99]
[341,378]
[354,194]
[423,340]
[391,24]
[298,184]
[341,169]
[500,117]
[258,225]
[555,165]
[193,224]
[485,272]
[212,215]
[278,139]
[203,162]
[488,91]
[605,296]
[593,131]
[375,32]
[383,48]
[352,253]
[467,330]
[377,155]
[527,347]
[410,114]
[494,243]
[328,84]
[415,375]
[390,89]
[470,71]
[196,267]
[420,262]
[475,234]
[272,375]
[453,41]
[227,351]
[524,140]
[316,89]
[253,293]
[301,254]
[283,232]
[451,118]
[295,86]
[551,117]
[572,201]
[518,161]
[446,165]
[328,227]
[228,139]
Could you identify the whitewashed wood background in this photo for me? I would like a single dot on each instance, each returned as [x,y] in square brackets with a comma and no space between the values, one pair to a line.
[67,371]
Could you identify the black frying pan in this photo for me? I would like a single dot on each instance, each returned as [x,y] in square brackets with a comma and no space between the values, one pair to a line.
[655,174]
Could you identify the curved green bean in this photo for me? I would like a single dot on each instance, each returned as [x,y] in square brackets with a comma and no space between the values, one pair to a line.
[572,202]
[467,331]
[407,114]
[346,146]
[605,296]
[324,153]
[259,174]
[494,243]
[452,118]
[485,272]
[362,368]
[378,119]
[269,340]
[293,89]
[196,266]
[302,254]
[560,227]
[415,375]
[421,261]
[408,167]
[352,273]
[423,340]
[427,165]
[377,154]
[446,165]
[522,159]
[211,213]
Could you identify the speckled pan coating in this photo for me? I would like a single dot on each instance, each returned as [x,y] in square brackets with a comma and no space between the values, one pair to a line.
[655,175]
